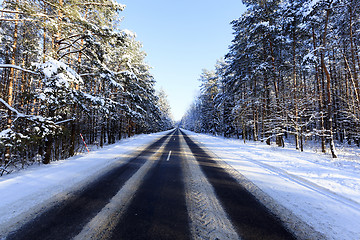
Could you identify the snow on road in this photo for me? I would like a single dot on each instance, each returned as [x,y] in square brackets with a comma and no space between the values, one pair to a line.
[40,185]
[208,218]
[108,217]
[323,192]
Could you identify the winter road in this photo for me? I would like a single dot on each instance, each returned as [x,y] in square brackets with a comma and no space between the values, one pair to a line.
[173,189]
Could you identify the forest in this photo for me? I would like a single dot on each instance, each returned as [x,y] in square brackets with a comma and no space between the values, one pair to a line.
[68,71]
[291,74]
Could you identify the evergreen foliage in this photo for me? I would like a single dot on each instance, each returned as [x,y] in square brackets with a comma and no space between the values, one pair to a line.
[67,68]
[292,71]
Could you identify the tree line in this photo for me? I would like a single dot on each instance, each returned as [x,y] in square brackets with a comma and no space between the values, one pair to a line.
[67,68]
[292,71]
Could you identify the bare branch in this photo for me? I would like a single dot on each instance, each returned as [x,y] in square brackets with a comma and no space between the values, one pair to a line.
[68,45]
[77,51]
[69,37]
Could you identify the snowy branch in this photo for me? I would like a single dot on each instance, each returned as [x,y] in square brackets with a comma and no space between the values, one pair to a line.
[65,121]
[11,108]
[10,11]
[17,67]
[121,7]
[31,117]
[17,20]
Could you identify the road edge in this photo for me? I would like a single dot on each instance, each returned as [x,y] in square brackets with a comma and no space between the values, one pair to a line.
[208,219]
[21,219]
[292,222]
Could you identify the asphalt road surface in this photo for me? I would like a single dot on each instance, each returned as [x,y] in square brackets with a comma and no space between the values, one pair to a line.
[173,189]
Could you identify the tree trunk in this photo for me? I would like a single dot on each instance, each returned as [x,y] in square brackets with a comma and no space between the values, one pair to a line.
[328,88]
[255,125]
[353,58]
[102,135]
[72,139]
[10,92]
[295,91]
[56,45]
[320,93]
[244,130]
[48,149]
[49,143]
[44,36]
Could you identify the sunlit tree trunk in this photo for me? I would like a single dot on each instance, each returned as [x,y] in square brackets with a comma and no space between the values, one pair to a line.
[320,93]
[328,88]
[11,79]
[295,91]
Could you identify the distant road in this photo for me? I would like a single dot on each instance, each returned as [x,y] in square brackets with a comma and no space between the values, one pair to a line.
[171,190]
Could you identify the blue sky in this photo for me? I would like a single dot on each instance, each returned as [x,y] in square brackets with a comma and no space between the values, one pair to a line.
[181,38]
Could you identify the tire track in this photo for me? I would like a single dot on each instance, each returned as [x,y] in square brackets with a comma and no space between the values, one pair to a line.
[309,185]
[101,226]
[158,211]
[208,219]
[250,217]
[301,229]
[66,218]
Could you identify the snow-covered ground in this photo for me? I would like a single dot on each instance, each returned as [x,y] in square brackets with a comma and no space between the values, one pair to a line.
[321,191]
[39,185]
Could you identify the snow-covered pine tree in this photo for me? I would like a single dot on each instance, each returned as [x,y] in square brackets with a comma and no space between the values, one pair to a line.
[165,109]
[210,116]
[292,69]
[75,71]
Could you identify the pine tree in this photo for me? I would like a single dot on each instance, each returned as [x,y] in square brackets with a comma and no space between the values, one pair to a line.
[292,69]
[67,68]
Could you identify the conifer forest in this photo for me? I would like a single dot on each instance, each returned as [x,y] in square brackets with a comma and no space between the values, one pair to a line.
[291,73]
[68,71]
